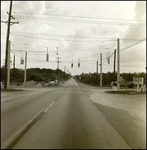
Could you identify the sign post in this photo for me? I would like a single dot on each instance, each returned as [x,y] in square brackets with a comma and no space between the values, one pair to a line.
[139,81]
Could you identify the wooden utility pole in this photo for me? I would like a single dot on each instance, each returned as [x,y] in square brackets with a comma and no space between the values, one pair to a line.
[58,74]
[25,68]
[64,68]
[57,51]
[8,67]
[114,66]
[58,62]
[13,68]
[7,43]
[97,67]
[101,69]
[47,58]
[118,66]
[14,62]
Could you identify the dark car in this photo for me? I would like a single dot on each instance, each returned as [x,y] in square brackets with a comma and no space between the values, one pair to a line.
[131,85]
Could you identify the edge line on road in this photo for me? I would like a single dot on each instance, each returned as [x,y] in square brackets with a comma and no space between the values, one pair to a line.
[17,133]
[49,106]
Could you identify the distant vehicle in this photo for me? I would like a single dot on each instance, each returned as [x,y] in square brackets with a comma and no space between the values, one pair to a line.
[131,85]
[112,83]
[52,83]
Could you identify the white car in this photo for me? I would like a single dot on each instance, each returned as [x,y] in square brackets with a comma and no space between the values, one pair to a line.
[52,83]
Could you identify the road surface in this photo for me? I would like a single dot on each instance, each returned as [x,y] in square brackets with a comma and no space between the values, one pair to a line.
[61,118]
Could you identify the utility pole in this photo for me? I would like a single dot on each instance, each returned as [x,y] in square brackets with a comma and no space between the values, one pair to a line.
[64,68]
[97,67]
[47,55]
[58,68]
[7,41]
[14,62]
[114,66]
[58,62]
[101,69]
[118,66]
[97,72]
[14,68]
[25,67]
[8,67]
[57,51]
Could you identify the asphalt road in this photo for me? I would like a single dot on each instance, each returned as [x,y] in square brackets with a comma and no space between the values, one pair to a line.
[66,119]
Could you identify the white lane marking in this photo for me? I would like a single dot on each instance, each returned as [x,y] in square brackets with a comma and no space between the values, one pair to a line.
[51,104]
[48,107]
[73,91]
[21,129]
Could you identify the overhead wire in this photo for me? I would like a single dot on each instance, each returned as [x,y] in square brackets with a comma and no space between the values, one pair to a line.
[84,21]
[58,39]
[129,46]
[88,17]
[41,22]
[34,21]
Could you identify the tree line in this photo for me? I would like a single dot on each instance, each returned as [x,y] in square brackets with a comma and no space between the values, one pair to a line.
[107,78]
[35,74]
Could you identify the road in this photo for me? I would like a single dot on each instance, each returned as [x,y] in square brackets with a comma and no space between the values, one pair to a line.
[62,118]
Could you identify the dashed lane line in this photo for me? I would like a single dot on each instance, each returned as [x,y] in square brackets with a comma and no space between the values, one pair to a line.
[48,107]
[16,134]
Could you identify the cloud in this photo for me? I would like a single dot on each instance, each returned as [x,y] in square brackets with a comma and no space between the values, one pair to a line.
[135,32]
[63,30]
[140,10]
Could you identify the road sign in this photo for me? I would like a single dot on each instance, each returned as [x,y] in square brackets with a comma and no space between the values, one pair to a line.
[138,80]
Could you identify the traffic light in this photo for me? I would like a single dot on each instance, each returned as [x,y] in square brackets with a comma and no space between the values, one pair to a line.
[108,60]
[72,65]
[78,64]
[22,61]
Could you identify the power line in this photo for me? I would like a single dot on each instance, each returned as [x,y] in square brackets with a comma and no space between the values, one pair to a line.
[125,48]
[87,21]
[58,39]
[41,22]
[102,38]
[87,17]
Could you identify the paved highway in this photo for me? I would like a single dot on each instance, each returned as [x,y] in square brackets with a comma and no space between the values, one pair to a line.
[57,118]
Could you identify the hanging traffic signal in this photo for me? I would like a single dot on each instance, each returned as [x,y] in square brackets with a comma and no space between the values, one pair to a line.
[22,61]
[78,64]
[72,65]
[108,60]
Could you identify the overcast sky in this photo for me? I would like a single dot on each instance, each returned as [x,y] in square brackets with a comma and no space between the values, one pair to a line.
[81,30]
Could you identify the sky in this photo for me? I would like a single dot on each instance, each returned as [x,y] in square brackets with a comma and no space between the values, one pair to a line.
[80,31]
